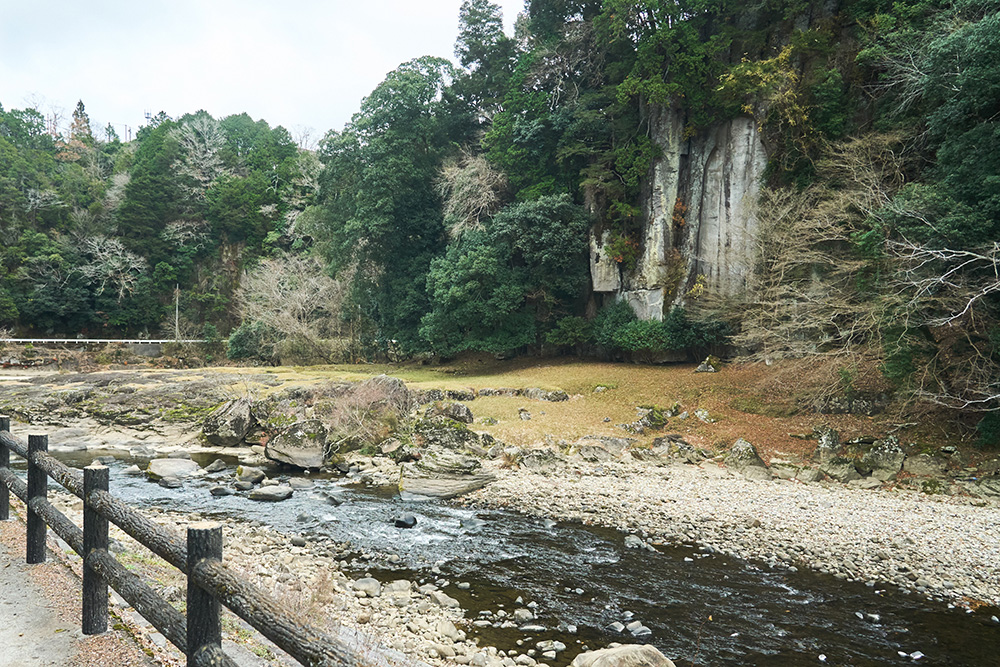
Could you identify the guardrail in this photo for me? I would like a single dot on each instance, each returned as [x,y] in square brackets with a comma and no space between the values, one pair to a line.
[210,583]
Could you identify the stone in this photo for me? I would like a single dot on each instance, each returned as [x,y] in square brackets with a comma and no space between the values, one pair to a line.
[443,600]
[925,465]
[177,468]
[710,365]
[537,459]
[449,463]
[243,485]
[250,474]
[743,458]
[302,444]
[230,423]
[218,465]
[447,629]
[170,482]
[627,655]
[522,615]
[457,411]
[406,521]
[369,586]
[809,475]
[841,470]
[827,444]
[218,491]
[301,483]
[271,493]
[884,460]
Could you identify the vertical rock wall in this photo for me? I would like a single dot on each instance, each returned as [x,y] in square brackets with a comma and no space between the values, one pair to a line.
[715,175]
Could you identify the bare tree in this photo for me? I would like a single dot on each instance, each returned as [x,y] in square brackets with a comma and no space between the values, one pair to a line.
[201,140]
[472,192]
[803,295]
[111,265]
[296,302]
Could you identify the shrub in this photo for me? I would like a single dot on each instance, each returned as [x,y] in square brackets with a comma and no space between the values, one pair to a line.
[609,321]
[247,342]
[570,331]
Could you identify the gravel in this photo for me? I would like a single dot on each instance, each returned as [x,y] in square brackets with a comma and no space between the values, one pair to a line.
[945,547]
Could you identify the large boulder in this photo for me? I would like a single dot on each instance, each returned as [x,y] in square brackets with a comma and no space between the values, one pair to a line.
[443,473]
[627,655]
[448,459]
[884,460]
[229,424]
[174,468]
[744,459]
[302,444]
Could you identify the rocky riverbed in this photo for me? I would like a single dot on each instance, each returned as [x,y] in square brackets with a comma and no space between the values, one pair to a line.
[945,547]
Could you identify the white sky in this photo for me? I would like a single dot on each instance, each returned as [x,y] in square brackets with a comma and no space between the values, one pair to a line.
[304,64]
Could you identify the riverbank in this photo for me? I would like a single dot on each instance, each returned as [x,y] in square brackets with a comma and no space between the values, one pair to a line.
[944,547]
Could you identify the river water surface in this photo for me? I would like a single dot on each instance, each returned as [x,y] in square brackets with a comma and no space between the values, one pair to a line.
[703,609]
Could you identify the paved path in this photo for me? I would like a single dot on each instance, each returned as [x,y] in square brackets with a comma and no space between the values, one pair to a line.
[40,615]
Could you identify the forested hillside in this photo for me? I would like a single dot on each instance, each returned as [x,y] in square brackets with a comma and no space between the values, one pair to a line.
[524,198]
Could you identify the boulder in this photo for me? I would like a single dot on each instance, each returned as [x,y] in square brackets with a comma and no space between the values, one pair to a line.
[406,521]
[457,411]
[443,600]
[250,474]
[177,468]
[710,365]
[271,493]
[229,424]
[627,655]
[536,459]
[536,394]
[448,462]
[443,474]
[302,444]
[841,470]
[218,465]
[369,586]
[170,482]
[925,465]
[218,490]
[603,448]
[884,460]
[744,459]
[827,444]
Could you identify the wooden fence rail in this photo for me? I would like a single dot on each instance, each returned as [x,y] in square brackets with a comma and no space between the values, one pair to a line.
[210,582]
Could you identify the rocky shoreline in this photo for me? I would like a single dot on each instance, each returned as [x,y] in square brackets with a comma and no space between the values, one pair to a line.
[944,547]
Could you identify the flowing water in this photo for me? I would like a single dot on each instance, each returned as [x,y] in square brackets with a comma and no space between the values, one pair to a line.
[702,608]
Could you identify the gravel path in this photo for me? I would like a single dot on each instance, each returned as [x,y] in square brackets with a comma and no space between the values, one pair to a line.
[945,547]
[40,614]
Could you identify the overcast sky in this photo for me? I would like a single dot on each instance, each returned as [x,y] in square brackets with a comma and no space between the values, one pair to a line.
[297,63]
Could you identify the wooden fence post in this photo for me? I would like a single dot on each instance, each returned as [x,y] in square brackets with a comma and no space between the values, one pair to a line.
[4,463]
[38,483]
[204,626]
[95,536]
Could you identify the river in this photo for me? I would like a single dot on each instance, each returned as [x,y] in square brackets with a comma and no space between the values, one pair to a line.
[702,608]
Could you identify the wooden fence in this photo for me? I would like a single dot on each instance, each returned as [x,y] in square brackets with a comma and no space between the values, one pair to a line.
[210,583]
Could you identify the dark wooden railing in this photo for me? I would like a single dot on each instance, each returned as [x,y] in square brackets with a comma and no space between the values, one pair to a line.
[210,583]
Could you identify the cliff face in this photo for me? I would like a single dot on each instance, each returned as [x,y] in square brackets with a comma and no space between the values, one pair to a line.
[699,226]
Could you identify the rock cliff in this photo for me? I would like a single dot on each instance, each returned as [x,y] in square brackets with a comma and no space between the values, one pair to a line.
[698,221]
